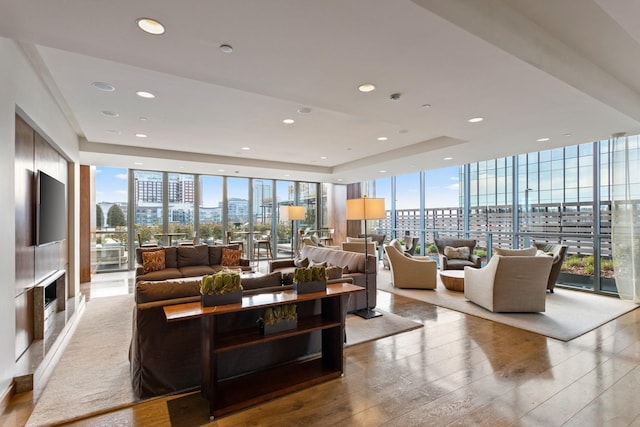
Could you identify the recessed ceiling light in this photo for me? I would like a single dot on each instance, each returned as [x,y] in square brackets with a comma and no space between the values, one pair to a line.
[150,26]
[426,105]
[543,139]
[113,131]
[141,135]
[382,138]
[220,170]
[448,158]
[367,87]
[226,48]
[109,113]
[288,121]
[567,134]
[476,120]
[138,163]
[246,148]
[382,171]
[142,119]
[323,157]
[286,175]
[106,87]
[339,179]
[143,94]
[304,110]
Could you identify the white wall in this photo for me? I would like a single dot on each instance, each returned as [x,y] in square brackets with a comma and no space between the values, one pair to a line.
[20,88]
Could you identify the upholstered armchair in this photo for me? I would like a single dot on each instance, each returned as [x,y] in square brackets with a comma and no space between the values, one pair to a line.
[558,252]
[447,262]
[410,271]
[509,283]
[372,247]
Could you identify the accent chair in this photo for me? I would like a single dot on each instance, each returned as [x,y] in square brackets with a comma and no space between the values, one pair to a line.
[454,258]
[509,284]
[414,272]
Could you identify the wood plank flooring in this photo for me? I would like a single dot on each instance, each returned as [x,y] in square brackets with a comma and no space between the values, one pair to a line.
[458,370]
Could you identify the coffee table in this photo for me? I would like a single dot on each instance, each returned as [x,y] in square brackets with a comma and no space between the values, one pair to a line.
[453,280]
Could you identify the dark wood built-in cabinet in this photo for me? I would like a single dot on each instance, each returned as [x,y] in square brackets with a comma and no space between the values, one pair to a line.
[37,267]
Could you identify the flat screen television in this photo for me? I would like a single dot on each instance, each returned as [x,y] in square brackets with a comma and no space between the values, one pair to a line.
[51,210]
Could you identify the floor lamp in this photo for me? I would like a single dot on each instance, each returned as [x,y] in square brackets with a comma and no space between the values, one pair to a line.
[366,209]
[292,213]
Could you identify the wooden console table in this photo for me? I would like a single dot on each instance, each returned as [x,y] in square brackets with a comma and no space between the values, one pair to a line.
[236,393]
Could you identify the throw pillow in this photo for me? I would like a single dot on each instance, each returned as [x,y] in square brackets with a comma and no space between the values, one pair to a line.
[457,253]
[153,261]
[230,257]
[516,252]
[317,264]
[301,262]
[334,272]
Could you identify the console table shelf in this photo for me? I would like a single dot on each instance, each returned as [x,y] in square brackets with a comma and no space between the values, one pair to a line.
[232,394]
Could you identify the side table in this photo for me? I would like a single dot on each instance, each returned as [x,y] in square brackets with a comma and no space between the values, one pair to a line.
[453,280]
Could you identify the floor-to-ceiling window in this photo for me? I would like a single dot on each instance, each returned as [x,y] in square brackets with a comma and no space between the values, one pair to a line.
[210,228]
[110,248]
[181,207]
[148,204]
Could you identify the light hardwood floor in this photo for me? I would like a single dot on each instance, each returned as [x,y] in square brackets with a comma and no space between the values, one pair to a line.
[458,370]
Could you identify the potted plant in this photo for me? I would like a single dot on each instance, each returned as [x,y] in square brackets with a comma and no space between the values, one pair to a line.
[279,318]
[310,279]
[221,288]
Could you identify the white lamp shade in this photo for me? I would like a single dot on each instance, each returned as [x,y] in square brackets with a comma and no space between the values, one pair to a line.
[291,213]
[366,208]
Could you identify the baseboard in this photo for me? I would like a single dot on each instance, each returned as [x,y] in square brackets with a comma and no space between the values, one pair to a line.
[5,398]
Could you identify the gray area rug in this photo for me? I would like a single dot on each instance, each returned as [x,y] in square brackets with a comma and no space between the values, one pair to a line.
[92,376]
[568,314]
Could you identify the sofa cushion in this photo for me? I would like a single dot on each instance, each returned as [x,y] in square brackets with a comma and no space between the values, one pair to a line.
[149,291]
[516,252]
[266,281]
[196,270]
[193,255]
[171,257]
[215,253]
[167,273]
[230,257]
[153,261]
[457,253]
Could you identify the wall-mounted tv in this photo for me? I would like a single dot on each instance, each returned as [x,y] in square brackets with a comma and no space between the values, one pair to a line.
[51,210]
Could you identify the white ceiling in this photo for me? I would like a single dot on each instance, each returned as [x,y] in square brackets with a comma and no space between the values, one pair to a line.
[568,71]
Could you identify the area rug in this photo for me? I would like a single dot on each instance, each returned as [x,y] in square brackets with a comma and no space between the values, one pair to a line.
[92,376]
[569,314]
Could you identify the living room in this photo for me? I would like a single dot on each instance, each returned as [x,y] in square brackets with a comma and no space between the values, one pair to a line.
[572,106]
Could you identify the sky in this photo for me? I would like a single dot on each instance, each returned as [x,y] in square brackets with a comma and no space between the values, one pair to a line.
[441,188]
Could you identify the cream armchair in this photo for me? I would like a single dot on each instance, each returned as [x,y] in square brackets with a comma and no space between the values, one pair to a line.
[372,247]
[509,283]
[411,272]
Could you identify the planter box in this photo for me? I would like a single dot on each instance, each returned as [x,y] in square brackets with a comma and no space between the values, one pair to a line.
[283,325]
[309,287]
[222,299]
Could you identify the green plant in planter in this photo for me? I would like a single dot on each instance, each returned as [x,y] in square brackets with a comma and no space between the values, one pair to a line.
[310,274]
[273,315]
[220,283]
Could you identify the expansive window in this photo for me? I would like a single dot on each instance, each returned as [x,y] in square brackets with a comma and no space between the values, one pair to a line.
[181,207]
[210,210]
[110,249]
[148,202]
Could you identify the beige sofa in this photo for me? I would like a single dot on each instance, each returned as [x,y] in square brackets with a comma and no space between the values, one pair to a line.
[509,283]
[353,261]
